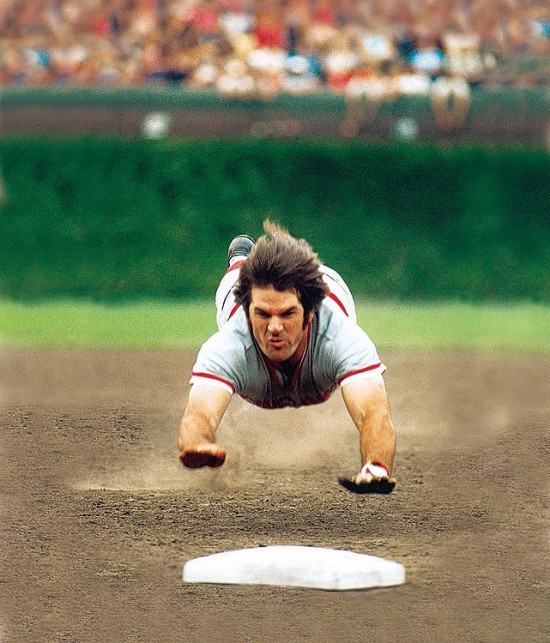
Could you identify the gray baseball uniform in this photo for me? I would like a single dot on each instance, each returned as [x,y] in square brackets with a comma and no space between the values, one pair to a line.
[338,352]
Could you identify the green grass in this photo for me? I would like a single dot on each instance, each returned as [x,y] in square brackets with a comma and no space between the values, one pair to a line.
[518,327]
[77,324]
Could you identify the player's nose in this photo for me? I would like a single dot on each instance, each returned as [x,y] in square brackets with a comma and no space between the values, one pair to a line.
[275,326]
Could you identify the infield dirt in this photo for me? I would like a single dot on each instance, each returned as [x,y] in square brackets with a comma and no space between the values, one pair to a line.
[98,516]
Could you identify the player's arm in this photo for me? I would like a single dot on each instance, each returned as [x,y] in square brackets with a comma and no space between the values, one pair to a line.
[197,433]
[367,403]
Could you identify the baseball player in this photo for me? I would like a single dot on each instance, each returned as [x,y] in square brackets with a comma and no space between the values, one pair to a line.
[288,336]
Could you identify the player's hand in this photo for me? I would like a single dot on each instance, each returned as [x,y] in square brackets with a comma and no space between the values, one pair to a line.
[373,478]
[204,455]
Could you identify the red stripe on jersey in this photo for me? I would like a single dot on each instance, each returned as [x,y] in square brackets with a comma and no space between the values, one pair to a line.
[214,377]
[372,367]
[234,266]
[334,298]
[233,311]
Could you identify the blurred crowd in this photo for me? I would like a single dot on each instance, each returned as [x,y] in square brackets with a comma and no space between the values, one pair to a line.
[265,47]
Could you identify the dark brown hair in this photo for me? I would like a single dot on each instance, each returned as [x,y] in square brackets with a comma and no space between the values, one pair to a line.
[285,263]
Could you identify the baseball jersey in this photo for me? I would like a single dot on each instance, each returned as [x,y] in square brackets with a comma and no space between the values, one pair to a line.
[338,352]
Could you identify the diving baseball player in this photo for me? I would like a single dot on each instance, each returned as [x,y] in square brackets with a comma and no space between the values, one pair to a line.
[288,336]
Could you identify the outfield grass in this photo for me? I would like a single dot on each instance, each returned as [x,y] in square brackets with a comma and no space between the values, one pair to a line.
[185,325]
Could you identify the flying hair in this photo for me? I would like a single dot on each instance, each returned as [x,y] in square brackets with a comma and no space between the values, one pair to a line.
[283,262]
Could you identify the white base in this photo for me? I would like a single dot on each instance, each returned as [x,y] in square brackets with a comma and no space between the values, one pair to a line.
[295,566]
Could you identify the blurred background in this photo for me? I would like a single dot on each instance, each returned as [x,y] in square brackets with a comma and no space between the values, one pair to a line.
[407,140]
[372,68]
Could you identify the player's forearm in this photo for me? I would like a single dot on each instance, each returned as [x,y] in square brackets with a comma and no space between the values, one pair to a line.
[195,430]
[378,440]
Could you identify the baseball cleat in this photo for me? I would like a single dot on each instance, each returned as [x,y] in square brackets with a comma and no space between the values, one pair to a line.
[241,247]
[375,485]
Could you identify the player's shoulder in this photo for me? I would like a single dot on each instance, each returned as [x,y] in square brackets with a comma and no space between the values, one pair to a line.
[332,319]
[234,338]
[337,331]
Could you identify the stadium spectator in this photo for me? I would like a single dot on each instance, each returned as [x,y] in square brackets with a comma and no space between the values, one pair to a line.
[291,46]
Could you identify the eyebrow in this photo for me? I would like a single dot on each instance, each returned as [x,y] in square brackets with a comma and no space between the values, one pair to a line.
[291,309]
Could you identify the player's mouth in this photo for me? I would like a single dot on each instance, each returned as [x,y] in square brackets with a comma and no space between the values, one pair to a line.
[277,343]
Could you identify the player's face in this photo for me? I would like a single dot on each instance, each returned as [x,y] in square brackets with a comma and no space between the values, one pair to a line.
[277,322]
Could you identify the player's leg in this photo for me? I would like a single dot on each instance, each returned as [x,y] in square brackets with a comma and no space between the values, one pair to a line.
[238,251]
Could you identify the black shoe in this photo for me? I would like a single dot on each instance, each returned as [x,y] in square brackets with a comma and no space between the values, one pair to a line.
[241,246]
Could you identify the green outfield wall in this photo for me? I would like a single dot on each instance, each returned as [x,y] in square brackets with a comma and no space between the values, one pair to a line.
[116,218]
[498,114]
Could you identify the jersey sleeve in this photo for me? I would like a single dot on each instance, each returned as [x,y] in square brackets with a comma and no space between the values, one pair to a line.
[355,355]
[219,364]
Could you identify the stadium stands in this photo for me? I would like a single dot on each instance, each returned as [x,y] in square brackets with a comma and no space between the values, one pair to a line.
[265,47]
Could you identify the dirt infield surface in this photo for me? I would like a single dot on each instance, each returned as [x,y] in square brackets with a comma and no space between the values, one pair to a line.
[98,517]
